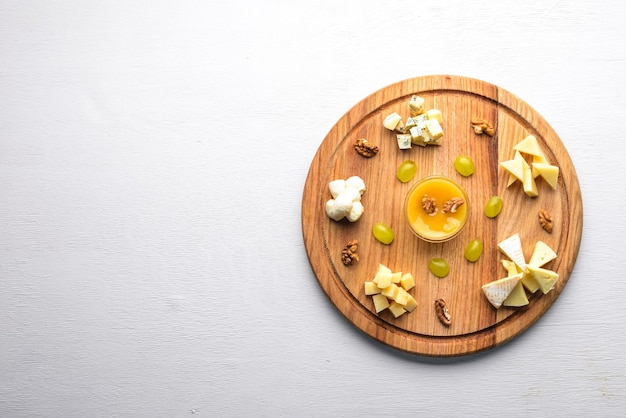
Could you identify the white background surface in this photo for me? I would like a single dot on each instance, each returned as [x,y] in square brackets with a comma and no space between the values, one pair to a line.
[152,160]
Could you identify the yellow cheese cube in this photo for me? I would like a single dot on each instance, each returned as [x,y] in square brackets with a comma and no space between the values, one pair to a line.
[390,291]
[411,304]
[407,281]
[396,309]
[396,276]
[380,302]
[401,296]
[371,288]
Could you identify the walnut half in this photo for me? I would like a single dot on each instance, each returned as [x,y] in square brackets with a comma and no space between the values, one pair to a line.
[364,148]
[349,254]
[429,205]
[442,312]
[482,126]
[545,220]
[452,205]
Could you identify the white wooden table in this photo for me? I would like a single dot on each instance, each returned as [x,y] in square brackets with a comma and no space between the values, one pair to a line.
[152,162]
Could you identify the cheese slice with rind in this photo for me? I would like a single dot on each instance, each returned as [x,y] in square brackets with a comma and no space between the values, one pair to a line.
[497,291]
[542,254]
[512,248]
[545,278]
[517,297]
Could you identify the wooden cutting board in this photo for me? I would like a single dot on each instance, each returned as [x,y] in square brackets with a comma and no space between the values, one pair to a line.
[476,325]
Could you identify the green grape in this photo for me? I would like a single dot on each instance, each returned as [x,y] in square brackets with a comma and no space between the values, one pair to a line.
[406,171]
[473,250]
[493,207]
[383,233]
[439,267]
[464,165]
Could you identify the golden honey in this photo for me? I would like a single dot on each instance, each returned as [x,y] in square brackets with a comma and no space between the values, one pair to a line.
[440,226]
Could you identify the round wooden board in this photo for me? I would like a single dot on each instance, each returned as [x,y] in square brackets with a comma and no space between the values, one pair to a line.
[476,325]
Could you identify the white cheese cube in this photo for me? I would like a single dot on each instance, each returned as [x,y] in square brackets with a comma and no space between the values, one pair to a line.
[391,121]
[416,105]
[417,135]
[435,114]
[404,141]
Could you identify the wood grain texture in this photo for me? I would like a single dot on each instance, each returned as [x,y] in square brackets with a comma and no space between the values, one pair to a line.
[476,325]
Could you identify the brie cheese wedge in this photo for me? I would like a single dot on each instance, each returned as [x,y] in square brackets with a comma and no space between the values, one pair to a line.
[497,291]
[512,248]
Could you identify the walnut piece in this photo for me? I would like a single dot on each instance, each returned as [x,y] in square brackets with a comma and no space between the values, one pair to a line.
[428,204]
[349,254]
[482,126]
[364,148]
[442,312]
[545,220]
[452,205]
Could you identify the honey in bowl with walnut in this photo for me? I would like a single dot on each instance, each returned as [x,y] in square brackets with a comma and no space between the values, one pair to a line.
[442,225]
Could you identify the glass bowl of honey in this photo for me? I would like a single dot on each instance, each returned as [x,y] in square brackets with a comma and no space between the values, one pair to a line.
[436,209]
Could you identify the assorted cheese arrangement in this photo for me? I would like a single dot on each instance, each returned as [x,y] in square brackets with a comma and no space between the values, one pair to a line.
[390,290]
[520,170]
[509,291]
[422,128]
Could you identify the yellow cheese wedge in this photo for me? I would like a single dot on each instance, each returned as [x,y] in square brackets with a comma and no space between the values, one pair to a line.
[530,283]
[529,145]
[550,173]
[517,297]
[538,159]
[511,267]
[515,167]
[497,291]
[530,186]
[545,278]
[512,248]
[542,254]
